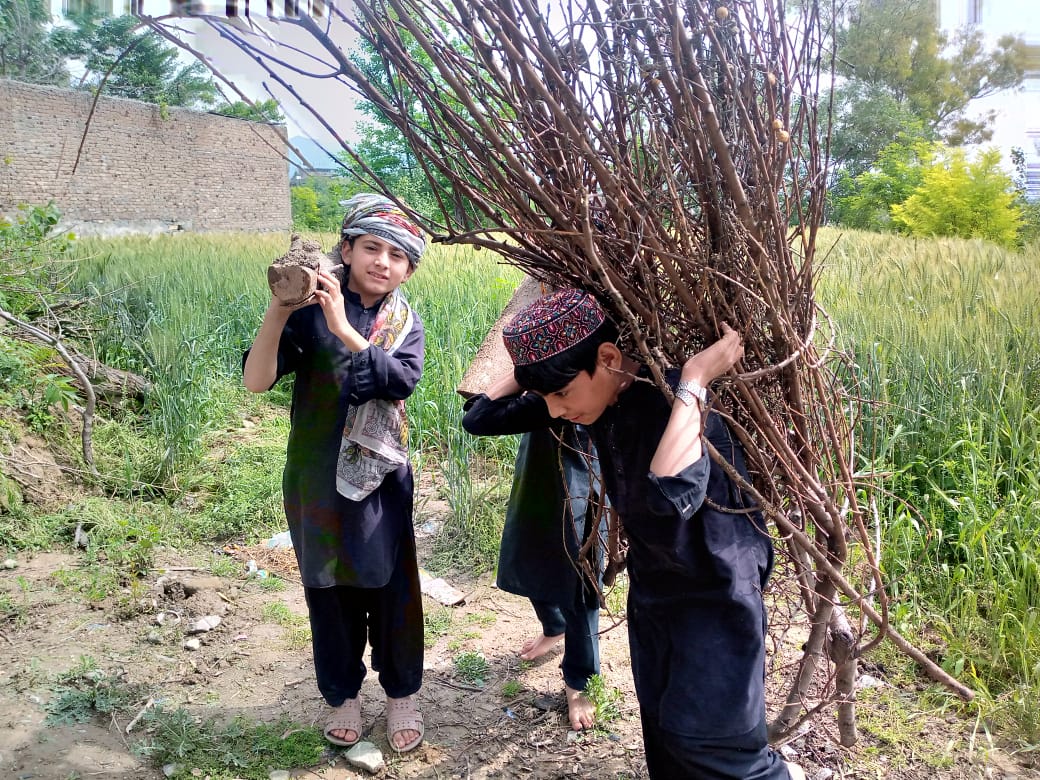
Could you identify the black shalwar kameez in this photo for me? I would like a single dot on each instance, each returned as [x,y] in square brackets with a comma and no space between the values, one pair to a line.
[357,558]
[696,617]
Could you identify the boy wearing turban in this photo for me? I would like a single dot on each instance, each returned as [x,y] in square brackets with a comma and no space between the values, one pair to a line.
[699,553]
[357,353]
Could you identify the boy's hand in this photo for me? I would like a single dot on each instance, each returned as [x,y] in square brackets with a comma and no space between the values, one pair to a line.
[330,297]
[716,360]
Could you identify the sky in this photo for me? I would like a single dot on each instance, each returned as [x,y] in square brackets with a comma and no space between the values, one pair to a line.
[334,101]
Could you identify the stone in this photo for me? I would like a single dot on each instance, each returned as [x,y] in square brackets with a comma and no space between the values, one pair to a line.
[365,755]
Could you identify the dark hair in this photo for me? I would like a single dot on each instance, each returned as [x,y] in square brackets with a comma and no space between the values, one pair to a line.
[552,374]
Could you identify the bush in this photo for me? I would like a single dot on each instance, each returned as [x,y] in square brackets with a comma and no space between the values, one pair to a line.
[963,199]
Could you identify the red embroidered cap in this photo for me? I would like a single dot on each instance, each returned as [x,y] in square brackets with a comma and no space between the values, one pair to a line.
[551,325]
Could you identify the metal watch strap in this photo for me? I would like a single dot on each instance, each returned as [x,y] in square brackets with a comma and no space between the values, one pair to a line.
[689,391]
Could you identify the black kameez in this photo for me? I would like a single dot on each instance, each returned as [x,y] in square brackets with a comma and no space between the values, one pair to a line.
[696,616]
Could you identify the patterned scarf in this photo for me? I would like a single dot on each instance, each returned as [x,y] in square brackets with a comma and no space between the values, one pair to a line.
[375,436]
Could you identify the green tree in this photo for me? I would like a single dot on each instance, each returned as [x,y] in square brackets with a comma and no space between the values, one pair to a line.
[1030,207]
[384,149]
[26,50]
[259,111]
[898,70]
[316,201]
[963,198]
[865,201]
[148,68]
[305,213]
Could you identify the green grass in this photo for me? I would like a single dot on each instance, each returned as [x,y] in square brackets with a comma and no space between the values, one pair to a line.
[239,749]
[185,745]
[945,336]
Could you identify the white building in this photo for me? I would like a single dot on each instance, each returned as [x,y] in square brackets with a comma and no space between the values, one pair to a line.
[1018,112]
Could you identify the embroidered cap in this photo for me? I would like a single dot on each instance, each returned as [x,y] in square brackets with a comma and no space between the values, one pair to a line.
[550,325]
[369,213]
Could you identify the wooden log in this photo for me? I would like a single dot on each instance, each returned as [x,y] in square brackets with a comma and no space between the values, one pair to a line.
[492,360]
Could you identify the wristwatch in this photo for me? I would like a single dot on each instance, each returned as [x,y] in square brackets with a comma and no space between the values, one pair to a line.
[689,391]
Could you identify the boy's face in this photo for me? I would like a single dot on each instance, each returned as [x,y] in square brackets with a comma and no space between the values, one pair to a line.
[377,267]
[587,396]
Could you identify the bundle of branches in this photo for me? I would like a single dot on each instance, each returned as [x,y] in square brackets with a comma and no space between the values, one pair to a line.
[667,158]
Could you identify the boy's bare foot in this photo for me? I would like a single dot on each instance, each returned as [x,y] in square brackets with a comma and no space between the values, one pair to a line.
[581,711]
[538,646]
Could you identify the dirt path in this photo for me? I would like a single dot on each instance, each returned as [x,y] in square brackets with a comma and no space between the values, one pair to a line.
[255,665]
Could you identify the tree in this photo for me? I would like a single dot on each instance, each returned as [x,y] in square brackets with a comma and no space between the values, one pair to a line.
[962,198]
[26,50]
[1030,207]
[865,201]
[382,147]
[899,71]
[145,66]
[316,201]
[305,214]
[259,111]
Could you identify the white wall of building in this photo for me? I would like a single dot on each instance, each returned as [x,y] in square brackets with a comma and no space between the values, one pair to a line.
[1017,121]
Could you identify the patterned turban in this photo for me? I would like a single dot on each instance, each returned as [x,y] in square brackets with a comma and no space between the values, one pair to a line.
[550,325]
[371,213]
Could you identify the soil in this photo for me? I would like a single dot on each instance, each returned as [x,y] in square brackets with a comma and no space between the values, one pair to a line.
[249,665]
[293,276]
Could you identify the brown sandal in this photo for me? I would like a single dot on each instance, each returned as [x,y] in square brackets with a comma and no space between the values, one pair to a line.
[346,717]
[402,715]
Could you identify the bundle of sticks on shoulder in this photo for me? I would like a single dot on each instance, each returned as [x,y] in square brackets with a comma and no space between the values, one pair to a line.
[671,159]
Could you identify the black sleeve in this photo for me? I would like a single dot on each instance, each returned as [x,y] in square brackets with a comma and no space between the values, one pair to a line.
[503,416]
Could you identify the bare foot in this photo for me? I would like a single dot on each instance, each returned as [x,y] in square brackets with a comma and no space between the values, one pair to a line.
[581,711]
[538,646]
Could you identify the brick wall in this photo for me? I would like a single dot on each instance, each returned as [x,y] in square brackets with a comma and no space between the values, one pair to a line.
[138,170]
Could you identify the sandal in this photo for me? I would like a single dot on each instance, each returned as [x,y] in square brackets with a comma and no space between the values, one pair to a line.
[402,715]
[346,717]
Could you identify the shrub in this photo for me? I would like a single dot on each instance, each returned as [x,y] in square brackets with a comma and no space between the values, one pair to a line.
[962,198]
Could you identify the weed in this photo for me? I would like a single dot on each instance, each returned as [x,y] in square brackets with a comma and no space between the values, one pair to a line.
[298,632]
[225,566]
[607,700]
[471,667]
[271,584]
[14,607]
[85,691]
[31,676]
[279,613]
[483,619]
[436,624]
[193,747]
[511,689]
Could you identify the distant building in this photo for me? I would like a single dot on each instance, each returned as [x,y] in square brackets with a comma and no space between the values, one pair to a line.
[1018,112]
